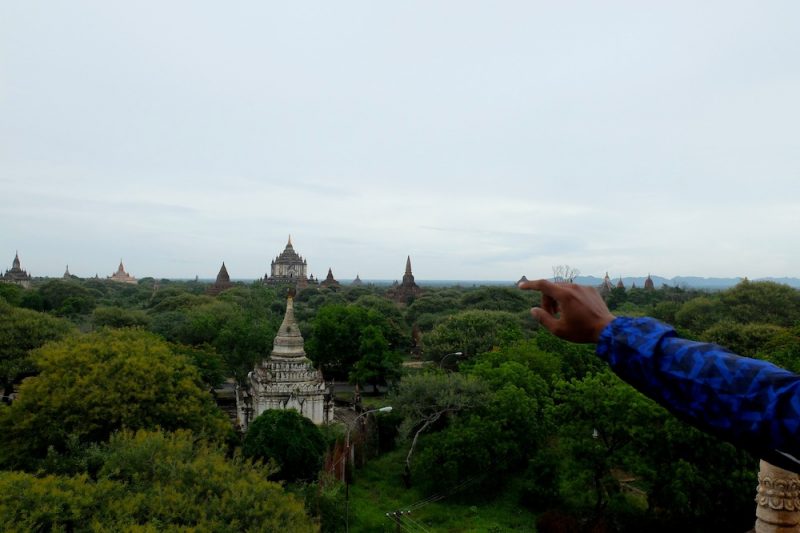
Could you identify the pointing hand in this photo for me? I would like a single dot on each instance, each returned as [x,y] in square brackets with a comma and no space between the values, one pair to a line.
[575,313]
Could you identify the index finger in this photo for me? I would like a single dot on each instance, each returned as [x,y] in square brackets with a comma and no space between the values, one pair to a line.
[545,287]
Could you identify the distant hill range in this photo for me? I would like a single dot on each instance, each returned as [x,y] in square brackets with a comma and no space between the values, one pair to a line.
[694,282]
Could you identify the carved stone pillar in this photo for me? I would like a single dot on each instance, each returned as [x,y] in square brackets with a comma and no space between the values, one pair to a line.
[777,500]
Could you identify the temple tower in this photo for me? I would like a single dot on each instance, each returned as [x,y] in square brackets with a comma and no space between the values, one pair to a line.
[408,289]
[222,283]
[605,288]
[288,268]
[16,275]
[285,380]
[329,281]
[120,276]
[648,284]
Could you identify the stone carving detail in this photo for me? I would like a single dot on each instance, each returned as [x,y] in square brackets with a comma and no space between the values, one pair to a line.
[779,493]
[777,499]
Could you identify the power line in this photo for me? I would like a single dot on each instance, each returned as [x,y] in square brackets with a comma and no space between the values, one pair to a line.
[401,518]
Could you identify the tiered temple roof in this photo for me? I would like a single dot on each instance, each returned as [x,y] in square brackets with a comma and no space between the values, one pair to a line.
[16,275]
[288,267]
[408,289]
[222,283]
[120,276]
[329,281]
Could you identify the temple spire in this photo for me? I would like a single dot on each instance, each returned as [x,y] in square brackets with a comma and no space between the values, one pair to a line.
[288,342]
[408,265]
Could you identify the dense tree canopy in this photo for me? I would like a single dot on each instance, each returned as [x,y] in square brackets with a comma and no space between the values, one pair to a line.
[336,337]
[471,333]
[92,385]
[22,330]
[518,408]
[153,481]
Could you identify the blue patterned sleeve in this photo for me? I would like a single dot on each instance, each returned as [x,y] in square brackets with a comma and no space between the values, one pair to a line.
[751,403]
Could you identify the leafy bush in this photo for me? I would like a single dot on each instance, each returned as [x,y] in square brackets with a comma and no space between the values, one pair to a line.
[290,439]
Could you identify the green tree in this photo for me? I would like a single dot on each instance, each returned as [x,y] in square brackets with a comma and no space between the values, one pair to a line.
[118,317]
[207,361]
[377,364]
[743,339]
[426,401]
[600,419]
[290,439]
[783,349]
[698,314]
[471,333]
[67,298]
[335,340]
[11,293]
[153,481]
[325,500]
[92,385]
[496,299]
[762,301]
[22,330]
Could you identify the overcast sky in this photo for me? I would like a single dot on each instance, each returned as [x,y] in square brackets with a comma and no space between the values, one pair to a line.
[485,139]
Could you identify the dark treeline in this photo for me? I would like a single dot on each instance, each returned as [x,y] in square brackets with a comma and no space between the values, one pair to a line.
[107,376]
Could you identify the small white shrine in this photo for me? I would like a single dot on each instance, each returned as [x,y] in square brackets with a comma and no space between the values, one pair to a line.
[285,380]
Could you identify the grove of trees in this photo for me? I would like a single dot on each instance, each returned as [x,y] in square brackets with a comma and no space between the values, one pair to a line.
[108,420]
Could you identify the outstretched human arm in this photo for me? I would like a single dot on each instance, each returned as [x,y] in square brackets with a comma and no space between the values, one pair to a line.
[751,403]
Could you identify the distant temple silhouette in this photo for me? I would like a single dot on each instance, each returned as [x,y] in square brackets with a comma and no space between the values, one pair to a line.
[120,276]
[222,283]
[329,282]
[406,291]
[16,275]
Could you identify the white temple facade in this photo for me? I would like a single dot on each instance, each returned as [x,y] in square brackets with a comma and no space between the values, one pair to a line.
[285,380]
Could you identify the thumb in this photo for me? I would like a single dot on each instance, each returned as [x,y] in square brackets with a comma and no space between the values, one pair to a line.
[545,319]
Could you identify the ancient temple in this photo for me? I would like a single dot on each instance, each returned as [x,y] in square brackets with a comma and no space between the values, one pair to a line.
[620,284]
[605,288]
[407,290]
[329,282]
[222,283]
[648,284]
[16,275]
[288,268]
[67,275]
[357,282]
[285,380]
[120,276]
